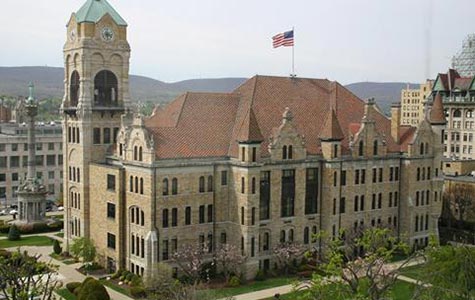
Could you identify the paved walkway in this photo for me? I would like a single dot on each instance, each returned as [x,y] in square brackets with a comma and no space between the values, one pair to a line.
[67,273]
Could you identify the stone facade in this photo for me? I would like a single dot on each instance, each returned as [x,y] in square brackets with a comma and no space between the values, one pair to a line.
[276,160]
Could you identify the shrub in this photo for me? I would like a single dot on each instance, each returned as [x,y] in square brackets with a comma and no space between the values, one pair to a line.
[234,282]
[56,247]
[208,271]
[4,228]
[5,254]
[40,228]
[72,286]
[138,292]
[92,289]
[26,228]
[136,281]
[14,234]
[260,276]
[129,276]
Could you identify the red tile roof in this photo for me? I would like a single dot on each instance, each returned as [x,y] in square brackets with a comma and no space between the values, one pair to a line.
[210,125]
[331,130]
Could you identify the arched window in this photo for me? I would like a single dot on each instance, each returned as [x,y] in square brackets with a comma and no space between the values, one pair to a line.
[290,152]
[136,184]
[141,186]
[210,183]
[142,218]
[375,147]
[253,185]
[282,236]
[165,187]
[306,235]
[202,184]
[360,148]
[105,89]
[131,184]
[284,152]
[132,215]
[242,215]
[135,152]
[266,245]
[291,235]
[422,149]
[74,89]
[243,186]
[174,186]
[140,154]
[457,113]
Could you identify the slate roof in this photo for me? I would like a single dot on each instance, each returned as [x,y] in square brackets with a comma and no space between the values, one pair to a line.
[93,10]
[211,125]
[437,115]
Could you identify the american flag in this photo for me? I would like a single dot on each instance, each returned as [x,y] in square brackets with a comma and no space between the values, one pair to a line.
[285,39]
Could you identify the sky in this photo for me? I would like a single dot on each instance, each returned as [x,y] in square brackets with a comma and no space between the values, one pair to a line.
[344,40]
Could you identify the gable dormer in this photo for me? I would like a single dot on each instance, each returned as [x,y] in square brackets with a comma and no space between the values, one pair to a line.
[286,143]
[134,143]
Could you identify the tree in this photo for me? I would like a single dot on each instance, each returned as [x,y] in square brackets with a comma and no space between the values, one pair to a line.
[14,233]
[25,277]
[461,200]
[286,254]
[356,266]
[191,261]
[451,272]
[56,247]
[92,289]
[83,248]
[230,259]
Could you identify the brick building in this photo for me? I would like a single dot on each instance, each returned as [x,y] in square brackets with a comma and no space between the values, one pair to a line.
[275,160]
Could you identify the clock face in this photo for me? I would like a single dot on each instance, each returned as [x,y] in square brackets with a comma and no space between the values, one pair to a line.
[72,35]
[107,34]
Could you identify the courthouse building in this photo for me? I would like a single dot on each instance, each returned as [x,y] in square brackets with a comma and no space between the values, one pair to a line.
[273,161]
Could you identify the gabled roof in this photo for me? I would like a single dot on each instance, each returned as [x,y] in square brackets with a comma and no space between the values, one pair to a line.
[93,10]
[198,125]
[331,130]
[250,131]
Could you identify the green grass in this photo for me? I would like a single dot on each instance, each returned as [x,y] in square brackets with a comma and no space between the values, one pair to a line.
[401,291]
[252,287]
[66,294]
[27,241]
[115,287]
[61,234]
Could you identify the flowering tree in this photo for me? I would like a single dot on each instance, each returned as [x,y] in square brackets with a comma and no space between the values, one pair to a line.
[358,266]
[25,277]
[190,259]
[229,257]
[286,253]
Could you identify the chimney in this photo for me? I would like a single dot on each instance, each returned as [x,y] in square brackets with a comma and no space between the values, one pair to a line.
[395,121]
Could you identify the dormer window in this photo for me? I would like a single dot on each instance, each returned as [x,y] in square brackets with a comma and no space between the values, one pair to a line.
[284,152]
[290,152]
[375,147]
[361,148]
[287,152]
[422,149]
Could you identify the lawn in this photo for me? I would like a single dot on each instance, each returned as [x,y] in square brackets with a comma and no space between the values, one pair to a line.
[252,287]
[61,234]
[66,294]
[414,272]
[27,241]
[401,291]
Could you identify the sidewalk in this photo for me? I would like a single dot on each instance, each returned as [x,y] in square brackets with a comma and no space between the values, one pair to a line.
[67,273]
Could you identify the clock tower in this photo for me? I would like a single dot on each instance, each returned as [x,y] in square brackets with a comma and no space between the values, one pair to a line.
[96,84]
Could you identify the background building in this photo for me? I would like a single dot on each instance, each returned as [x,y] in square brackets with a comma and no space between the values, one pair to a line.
[464,60]
[412,103]
[274,161]
[14,158]
[458,94]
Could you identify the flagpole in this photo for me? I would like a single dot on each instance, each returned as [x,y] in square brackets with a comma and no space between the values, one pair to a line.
[293,55]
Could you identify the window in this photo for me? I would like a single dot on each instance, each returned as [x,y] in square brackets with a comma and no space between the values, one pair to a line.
[334,178]
[362,202]
[210,213]
[356,204]
[282,236]
[284,152]
[374,175]
[375,147]
[223,239]
[188,215]
[111,210]
[242,215]
[111,182]
[306,235]
[115,134]
[202,184]
[110,240]
[165,249]
[165,218]
[15,177]
[357,176]
[264,196]
[74,89]
[15,161]
[363,176]
[253,216]
[380,200]
[202,214]
[165,187]
[97,136]
[396,174]
[174,186]
[360,148]
[224,177]
[380,174]
[343,178]
[290,152]
[288,193]
[253,185]
[391,173]
[254,154]
[210,183]
[342,205]
[334,206]
[105,89]
[174,217]
[15,147]
[3,177]
[266,244]
[107,135]
[51,175]
[39,146]
[373,202]
[311,191]
[243,187]
[243,154]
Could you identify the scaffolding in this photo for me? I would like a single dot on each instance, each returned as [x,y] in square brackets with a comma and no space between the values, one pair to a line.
[464,60]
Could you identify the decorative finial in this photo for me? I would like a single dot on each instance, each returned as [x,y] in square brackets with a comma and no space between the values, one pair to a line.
[31,87]
[287,115]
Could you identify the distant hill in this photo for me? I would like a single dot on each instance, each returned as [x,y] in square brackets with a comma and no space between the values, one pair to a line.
[385,93]
[49,84]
